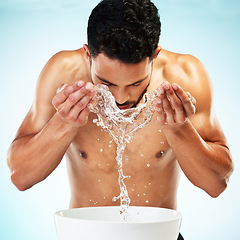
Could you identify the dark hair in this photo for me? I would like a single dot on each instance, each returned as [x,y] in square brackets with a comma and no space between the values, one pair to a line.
[127,30]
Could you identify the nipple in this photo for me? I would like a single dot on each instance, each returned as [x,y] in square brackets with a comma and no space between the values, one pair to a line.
[159,154]
[83,154]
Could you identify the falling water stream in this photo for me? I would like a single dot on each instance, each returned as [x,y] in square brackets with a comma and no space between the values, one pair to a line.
[121,125]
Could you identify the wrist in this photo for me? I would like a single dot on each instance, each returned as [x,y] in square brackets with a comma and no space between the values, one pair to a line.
[62,127]
[179,128]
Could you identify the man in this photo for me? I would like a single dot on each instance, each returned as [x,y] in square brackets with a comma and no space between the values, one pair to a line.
[123,53]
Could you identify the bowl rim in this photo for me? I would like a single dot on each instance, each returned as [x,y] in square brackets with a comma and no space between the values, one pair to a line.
[177,218]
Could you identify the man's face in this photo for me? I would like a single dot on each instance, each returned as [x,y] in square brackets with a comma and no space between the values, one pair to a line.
[127,82]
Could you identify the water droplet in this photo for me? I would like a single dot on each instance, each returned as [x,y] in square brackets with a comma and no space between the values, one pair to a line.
[160,130]
[115,199]
[146,201]
[148,165]
[101,150]
[109,145]
[144,193]
[98,139]
[149,183]
[133,189]
[141,155]
[138,195]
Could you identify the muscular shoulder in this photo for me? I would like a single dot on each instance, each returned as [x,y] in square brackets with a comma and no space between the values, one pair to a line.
[63,67]
[179,66]
[66,65]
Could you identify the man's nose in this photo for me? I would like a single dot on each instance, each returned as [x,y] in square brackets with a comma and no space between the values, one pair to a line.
[121,96]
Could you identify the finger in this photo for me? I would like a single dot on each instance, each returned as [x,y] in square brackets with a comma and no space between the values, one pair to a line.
[79,106]
[168,110]
[186,102]
[161,90]
[63,86]
[76,97]
[89,89]
[188,94]
[176,104]
[193,100]
[83,116]
[92,102]
[60,97]
[175,101]
[168,114]
[161,117]
[64,91]
[170,102]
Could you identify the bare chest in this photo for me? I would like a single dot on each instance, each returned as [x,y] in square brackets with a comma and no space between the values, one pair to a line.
[148,161]
[95,148]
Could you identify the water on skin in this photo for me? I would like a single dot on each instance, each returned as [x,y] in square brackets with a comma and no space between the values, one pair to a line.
[121,125]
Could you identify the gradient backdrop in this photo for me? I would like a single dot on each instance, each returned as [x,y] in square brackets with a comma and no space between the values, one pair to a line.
[31,31]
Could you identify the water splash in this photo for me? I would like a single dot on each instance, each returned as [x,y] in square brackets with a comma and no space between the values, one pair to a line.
[121,125]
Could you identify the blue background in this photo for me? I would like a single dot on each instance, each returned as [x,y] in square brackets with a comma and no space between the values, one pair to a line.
[31,31]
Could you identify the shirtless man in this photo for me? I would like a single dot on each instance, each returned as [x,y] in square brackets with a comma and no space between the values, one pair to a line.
[123,53]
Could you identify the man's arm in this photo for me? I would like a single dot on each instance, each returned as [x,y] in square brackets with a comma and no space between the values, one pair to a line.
[196,138]
[45,134]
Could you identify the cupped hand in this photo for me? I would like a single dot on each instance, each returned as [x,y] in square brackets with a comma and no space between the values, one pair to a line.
[174,105]
[71,102]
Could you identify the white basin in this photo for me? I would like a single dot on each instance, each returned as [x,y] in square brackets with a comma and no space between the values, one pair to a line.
[104,223]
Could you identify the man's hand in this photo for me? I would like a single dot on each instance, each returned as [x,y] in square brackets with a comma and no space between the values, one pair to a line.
[174,105]
[71,102]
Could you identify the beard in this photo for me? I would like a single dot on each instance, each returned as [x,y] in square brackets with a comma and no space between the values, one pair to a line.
[134,103]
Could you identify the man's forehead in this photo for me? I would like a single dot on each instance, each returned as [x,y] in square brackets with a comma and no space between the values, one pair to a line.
[112,71]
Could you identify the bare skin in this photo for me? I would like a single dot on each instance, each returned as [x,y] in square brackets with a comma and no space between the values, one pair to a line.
[184,133]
